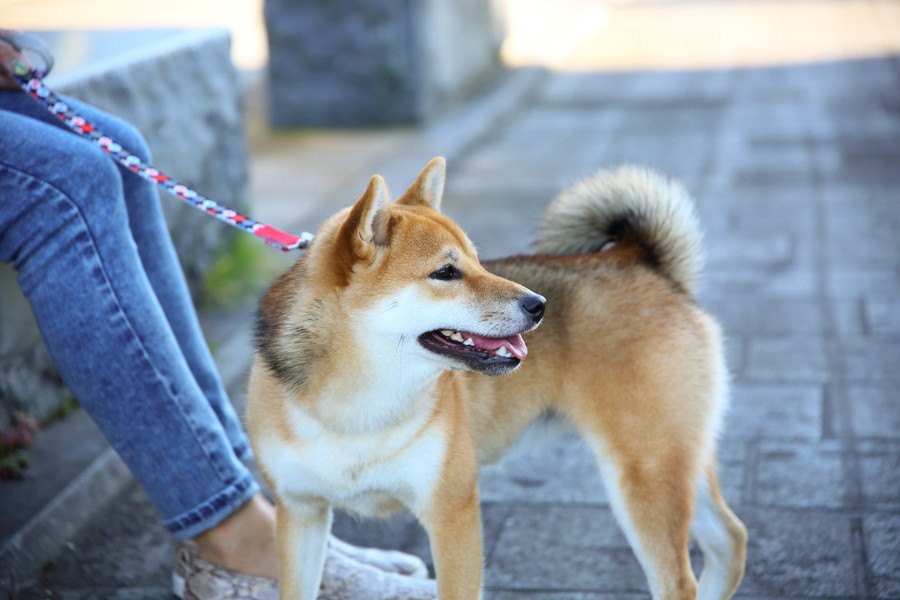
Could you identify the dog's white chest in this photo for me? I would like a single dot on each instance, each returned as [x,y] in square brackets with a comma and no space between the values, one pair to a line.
[359,471]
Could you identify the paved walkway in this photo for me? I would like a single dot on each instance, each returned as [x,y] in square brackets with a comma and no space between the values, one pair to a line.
[793,160]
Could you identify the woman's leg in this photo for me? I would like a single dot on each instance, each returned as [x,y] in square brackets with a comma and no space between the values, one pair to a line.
[157,255]
[63,224]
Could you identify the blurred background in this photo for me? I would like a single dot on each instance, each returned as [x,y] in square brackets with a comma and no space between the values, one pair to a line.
[781,118]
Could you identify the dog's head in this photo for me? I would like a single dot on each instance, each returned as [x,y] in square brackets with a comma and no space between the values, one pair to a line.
[406,272]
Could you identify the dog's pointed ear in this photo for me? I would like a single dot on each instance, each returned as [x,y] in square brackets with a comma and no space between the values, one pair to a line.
[366,226]
[428,188]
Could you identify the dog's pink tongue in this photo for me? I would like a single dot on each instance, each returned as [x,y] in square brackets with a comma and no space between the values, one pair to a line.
[514,343]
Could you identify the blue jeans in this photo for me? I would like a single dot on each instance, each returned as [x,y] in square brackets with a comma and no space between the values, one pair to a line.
[94,258]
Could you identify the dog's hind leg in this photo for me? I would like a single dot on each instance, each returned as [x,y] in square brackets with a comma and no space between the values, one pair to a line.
[652,495]
[722,538]
[302,543]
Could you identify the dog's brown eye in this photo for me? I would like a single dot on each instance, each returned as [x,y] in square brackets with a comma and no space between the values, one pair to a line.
[447,273]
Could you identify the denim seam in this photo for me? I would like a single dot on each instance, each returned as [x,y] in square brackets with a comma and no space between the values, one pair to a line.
[210,506]
[106,281]
[243,452]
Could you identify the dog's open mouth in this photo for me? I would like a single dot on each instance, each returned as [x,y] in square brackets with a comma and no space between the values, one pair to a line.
[494,355]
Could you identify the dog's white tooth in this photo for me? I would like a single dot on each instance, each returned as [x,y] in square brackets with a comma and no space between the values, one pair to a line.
[468,342]
[447,332]
[502,351]
[457,337]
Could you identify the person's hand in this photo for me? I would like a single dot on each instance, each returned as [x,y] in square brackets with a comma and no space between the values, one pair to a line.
[9,55]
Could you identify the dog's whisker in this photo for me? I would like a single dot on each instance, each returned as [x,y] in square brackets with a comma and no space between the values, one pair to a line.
[400,362]
[390,307]
[398,349]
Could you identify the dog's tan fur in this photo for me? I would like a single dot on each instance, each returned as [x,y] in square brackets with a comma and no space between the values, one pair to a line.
[623,352]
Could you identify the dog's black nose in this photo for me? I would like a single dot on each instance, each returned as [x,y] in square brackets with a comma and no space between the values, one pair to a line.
[534,305]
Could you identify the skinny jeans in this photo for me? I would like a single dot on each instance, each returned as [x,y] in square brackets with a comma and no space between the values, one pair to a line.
[94,258]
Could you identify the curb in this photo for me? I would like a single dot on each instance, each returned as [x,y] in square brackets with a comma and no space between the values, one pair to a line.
[42,537]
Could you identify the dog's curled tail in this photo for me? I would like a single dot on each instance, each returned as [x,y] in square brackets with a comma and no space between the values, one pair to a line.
[628,205]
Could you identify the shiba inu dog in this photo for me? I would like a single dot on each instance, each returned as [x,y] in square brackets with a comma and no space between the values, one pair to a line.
[371,385]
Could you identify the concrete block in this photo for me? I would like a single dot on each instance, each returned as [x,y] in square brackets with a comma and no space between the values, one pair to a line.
[786,359]
[848,317]
[790,411]
[874,411]
[625,90]
[731,469]
[868,360]
[403,532]
[738,250]
[850,282]
[484,215]
[882,315]
[518,595]
[563,548]
[764,315]
[563,471]
[801,475]
[881,534]
[879,466]
[373,63]
[785,279]
[860,228]
[775,159]
[798,554]
[766,208]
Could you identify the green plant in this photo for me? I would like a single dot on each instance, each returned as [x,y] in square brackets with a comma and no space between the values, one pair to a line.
[245,268]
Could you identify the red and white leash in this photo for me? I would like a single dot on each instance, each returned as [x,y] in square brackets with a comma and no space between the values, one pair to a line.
[31,81]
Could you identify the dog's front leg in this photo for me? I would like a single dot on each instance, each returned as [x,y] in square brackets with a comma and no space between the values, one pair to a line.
[454,531]
[302,542]
[452,518]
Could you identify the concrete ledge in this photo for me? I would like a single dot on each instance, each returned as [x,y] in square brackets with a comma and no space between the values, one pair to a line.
[43,535]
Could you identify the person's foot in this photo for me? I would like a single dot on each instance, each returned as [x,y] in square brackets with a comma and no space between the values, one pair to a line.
[245,541]
[195,578]
[342,579]
[391,561]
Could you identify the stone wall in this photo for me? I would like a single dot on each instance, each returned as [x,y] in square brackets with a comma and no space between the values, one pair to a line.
[181,90]
[376,62]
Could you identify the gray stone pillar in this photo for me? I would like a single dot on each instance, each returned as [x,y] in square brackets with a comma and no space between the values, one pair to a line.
[376,62]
